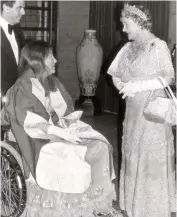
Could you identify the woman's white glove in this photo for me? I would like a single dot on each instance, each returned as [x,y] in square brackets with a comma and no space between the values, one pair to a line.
[133,87]
[119,85]
[117,82]
[130,88]
[64,134]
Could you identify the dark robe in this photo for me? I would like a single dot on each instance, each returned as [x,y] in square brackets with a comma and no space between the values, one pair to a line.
[21,99]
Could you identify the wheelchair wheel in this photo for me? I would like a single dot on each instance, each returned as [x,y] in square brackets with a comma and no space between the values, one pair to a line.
[13,186]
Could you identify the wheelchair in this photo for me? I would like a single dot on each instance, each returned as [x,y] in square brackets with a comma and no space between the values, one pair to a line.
[13,187]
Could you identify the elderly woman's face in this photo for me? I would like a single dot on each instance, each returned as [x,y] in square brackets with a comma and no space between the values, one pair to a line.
[50,63]
[130,27]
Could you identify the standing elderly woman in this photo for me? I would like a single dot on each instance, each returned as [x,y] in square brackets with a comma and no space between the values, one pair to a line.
[70,164]
[147,183]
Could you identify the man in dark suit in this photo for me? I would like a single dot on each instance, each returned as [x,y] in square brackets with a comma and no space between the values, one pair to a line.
[12,41]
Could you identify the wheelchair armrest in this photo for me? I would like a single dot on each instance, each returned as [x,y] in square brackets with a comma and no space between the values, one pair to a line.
[5,128]
[4,132]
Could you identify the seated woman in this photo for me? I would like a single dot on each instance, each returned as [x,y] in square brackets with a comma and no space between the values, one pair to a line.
[68,165]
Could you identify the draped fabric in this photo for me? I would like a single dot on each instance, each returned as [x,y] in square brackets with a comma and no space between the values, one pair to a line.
[147,181]
[42,124]
[104,17]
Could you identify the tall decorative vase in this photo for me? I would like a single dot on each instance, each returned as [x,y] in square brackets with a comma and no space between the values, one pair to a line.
[89,56]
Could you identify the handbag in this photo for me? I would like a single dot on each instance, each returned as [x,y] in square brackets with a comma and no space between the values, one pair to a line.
[156,110]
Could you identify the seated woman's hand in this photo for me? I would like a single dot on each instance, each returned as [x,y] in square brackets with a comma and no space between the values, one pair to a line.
[74,138]
[64,133]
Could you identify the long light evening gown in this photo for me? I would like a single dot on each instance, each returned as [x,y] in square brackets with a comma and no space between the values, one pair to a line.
[147,182]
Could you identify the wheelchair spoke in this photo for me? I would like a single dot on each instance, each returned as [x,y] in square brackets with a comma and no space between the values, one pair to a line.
[9,195]
[13,187]
[7,202]
[13,197]
[4,208]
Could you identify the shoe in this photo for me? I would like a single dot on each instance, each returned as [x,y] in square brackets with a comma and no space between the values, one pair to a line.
[115,213]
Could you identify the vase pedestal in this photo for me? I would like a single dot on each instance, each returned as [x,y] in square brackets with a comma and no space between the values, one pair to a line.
[90,106]
[89,57]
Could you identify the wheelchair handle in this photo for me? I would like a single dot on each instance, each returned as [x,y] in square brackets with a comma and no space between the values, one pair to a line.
[4,99]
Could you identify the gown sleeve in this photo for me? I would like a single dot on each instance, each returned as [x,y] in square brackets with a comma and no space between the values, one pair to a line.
[164,61]
[114,68]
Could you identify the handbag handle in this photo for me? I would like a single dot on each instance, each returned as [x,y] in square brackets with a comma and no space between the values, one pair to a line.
[167,87]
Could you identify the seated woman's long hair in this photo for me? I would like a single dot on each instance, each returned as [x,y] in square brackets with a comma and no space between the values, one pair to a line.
[32,57]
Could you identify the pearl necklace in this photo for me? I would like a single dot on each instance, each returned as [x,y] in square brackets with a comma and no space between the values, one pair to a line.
[136,49]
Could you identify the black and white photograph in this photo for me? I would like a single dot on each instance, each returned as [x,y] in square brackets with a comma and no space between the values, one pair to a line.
[88,108]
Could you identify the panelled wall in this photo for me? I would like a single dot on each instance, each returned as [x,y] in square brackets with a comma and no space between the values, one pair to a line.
[39,22]
[73,19]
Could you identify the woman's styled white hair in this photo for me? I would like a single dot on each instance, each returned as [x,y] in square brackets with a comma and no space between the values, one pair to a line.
[139,15]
